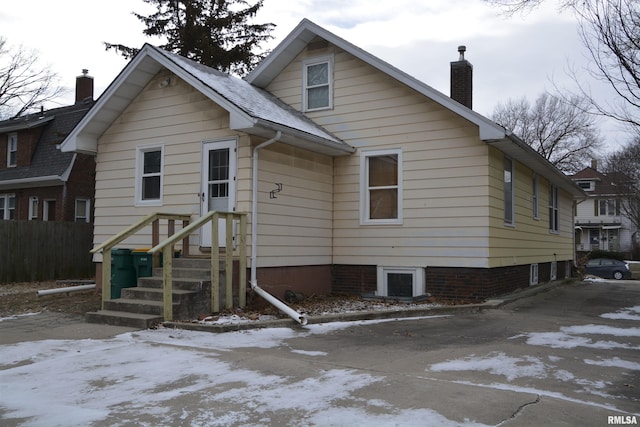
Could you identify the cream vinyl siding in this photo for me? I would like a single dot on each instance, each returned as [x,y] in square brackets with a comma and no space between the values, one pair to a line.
[445,171]
[295,227]
[529,240]
[179,118]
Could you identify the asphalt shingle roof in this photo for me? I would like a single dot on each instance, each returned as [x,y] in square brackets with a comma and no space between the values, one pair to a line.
[47,160]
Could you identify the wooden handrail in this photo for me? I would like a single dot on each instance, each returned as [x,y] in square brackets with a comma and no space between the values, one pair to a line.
[105,247]
[131,230]
[166,247]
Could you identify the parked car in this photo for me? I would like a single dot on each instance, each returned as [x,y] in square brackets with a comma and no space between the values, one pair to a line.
[608,268]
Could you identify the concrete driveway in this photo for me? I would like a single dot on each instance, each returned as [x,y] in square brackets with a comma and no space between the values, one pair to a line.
[565,357]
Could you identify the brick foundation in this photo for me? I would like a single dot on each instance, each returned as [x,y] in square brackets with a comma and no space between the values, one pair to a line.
[470,284]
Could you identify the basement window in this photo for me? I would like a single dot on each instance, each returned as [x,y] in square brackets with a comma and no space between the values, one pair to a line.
[533,274]
[401,282]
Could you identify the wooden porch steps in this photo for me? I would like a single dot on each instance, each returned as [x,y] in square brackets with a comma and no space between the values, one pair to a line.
[142,306]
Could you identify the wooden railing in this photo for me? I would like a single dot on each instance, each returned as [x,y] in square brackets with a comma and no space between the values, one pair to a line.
[154,221]
[167,268]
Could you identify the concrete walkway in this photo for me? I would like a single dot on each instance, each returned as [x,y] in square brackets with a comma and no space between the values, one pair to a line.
[55,325]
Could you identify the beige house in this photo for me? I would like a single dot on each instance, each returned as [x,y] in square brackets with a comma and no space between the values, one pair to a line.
[370,182]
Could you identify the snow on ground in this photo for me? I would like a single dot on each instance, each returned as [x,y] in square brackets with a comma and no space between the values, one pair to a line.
[144,376]
[512,368]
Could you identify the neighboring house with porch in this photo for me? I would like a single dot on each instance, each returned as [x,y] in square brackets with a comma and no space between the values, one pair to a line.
[37,180]
[371,181]
[600,224]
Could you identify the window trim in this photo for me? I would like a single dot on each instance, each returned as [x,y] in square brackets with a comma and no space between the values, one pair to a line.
[364,187]
[316,61]
[536,196]
[33,208]
[554,211]
[87,210]
[140,151]
[511,222]
[533,274]
[418,274]
[6,209]
[553,274]
[12,148]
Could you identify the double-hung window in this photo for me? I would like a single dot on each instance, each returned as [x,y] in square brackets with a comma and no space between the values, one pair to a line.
[7,206]
[83,209]
[149,175]
[508,192]
[381,187]
[553,208]
[317,83]
[12,150]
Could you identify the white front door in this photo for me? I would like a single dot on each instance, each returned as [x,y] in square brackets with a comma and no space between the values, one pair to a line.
[219,166]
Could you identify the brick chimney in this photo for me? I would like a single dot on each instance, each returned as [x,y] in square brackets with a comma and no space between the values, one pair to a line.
[462,79]
[84,86]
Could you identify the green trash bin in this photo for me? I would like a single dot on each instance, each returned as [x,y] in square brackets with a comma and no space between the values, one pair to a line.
[123,274]
[142,263]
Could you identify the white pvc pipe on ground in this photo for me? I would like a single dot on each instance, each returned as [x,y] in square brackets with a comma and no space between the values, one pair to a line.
[64,290]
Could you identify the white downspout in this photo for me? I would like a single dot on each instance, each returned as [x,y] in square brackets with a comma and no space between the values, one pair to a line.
[298,317]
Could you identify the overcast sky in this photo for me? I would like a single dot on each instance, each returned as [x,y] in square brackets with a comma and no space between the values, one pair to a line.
[512,57]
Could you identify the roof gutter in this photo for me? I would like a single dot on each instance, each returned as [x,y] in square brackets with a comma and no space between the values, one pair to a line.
[36,181]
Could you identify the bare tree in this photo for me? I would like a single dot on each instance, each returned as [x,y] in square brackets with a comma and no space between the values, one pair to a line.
[610,32]
[562,132]
[623,168]
[24,84]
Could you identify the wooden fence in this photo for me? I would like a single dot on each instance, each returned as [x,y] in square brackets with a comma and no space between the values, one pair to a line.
[37,251]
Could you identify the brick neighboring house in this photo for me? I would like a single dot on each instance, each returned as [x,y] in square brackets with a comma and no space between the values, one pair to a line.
[600,223]
[37,180]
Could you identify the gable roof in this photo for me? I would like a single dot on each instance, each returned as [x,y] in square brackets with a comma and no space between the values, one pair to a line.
[49,166]
[604,185]
[306,31]
[252,110]
[489,131]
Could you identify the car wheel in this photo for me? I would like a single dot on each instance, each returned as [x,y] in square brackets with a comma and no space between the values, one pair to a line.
[617,275]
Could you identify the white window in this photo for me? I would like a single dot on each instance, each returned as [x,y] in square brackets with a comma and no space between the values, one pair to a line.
[400,282]
[149,175]
[553,208]
[533,274]
[33,208]
[554,270]
[381,187]
[317,83]
[83,207]
[586,185]
[7,206]
[12,150]
[607,207]
[508,191]
[536,210]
